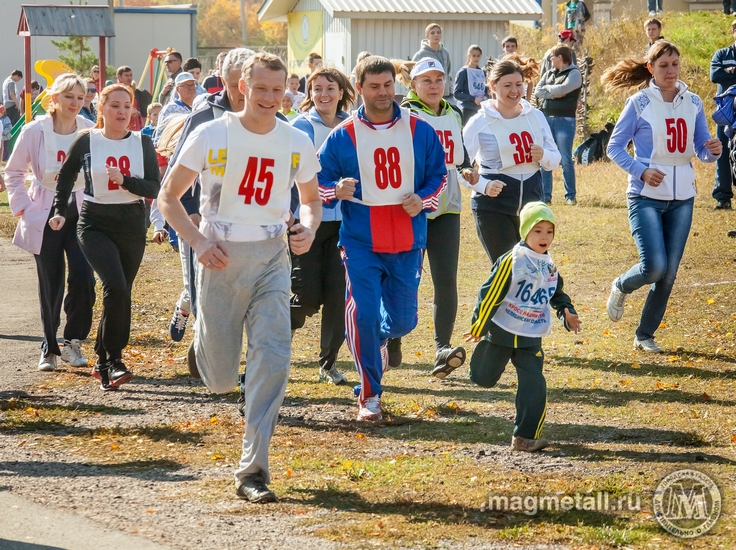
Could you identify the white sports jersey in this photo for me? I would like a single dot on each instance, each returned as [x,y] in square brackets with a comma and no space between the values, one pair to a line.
[56,148]
[525,309]
[672,130]
[255,188]
[450,134]
[125,154]
[515,136]
[386,161]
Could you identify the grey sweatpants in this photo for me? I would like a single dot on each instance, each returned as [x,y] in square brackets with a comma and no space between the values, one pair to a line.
[252,292]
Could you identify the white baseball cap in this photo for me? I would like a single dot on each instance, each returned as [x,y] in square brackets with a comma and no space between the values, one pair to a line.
[425,65]
[184,77]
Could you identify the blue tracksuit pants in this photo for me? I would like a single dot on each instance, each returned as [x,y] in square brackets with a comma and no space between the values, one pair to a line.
[380,303]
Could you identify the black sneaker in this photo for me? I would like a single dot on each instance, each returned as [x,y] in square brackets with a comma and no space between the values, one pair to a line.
[731,233]
[723,205]
[178,325]
[102,373]
[119,373]
[253,489]
[394,352]
[192,362]
[448,359]
[241,397]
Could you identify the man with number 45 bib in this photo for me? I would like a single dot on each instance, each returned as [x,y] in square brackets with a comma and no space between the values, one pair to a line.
[247,163]
[387,166]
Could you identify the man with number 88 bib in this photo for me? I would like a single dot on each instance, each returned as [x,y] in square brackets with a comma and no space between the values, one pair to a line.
[387,166]
[247,163]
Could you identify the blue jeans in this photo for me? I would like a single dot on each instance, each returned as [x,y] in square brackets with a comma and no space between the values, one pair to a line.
[723,190]
[563,132]
[660,230]
[654,5]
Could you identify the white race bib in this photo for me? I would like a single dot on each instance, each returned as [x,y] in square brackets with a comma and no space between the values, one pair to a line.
[515,136]
[56,148]
[450,134]
[255,188]
[476,82]
[525,310]
[125,154]
[386,161]
[673,129]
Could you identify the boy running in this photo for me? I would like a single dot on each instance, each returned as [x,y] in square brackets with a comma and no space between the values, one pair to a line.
[512,315]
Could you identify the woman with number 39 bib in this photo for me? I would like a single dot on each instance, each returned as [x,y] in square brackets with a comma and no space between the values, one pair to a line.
[43,145]
[668,126]
[509,140]
[120,169]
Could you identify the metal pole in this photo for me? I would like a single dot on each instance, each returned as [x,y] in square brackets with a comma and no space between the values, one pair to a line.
[243,22]
[554,16]
[103,63]
[26,79]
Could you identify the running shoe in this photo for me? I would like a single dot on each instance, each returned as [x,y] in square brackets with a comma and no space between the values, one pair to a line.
[384,357]
[102,373]
[648,345]
[47,363]
[448,359]
[71,352]
[394,352]
[616,302]
[332,376]
[178,324]
[119,373]
[527,445]
[253,489]
[370,409]
[192,362]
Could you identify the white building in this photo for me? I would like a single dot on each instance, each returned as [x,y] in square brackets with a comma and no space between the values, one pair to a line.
[340,29]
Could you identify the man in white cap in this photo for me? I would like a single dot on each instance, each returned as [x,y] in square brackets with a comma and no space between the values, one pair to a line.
[186,88]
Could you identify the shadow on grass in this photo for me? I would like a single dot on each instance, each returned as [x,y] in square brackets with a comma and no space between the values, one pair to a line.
[159,470]
[624,368]
[21,337]
[615,397]
[580,452]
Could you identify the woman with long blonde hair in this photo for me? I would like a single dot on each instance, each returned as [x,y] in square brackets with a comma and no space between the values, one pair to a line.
[43,145]
[120,169]
[668,127]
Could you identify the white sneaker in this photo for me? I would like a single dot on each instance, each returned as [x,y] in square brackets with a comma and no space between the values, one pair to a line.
[652,13]
[371,409]
[648,345]
[332,376]
[47,363]
[616,303]
[71,352]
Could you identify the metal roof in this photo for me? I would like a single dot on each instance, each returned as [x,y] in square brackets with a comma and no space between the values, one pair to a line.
[65,21]
[276,10]
[439,7]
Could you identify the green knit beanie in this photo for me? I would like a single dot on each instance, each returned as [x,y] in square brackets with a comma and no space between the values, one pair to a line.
[532,214]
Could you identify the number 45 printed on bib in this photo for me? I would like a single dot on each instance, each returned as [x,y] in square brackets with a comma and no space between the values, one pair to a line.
[257,181]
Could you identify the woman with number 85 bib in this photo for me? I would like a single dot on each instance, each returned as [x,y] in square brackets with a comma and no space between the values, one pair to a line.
[427,83]
[120,169]
[509,140]
[43,145]
[668,126]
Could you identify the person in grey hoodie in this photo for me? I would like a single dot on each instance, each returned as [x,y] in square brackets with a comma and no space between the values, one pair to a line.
[432,47]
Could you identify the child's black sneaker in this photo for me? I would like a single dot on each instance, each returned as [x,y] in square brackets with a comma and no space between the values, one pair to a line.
[119,373]
[102,373]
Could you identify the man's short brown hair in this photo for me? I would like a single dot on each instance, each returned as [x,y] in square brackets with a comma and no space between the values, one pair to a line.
[124,69]
[564,52]
[263,59]
[312,57]
[654,21]
[373,64]
[432,26]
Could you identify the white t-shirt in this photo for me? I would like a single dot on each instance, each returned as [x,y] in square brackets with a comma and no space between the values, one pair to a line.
[205,152]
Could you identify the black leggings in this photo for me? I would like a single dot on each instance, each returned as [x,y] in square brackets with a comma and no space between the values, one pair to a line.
[443,248]
[318,279]
[113,239]
[80,297]
[469,113]
[498,233]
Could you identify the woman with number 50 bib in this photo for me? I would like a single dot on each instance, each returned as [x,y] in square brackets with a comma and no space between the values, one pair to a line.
[509,140]
[43,145]
[668,126]
[120,169]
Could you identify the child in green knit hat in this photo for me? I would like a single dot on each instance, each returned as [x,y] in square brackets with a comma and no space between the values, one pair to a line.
[512,315]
